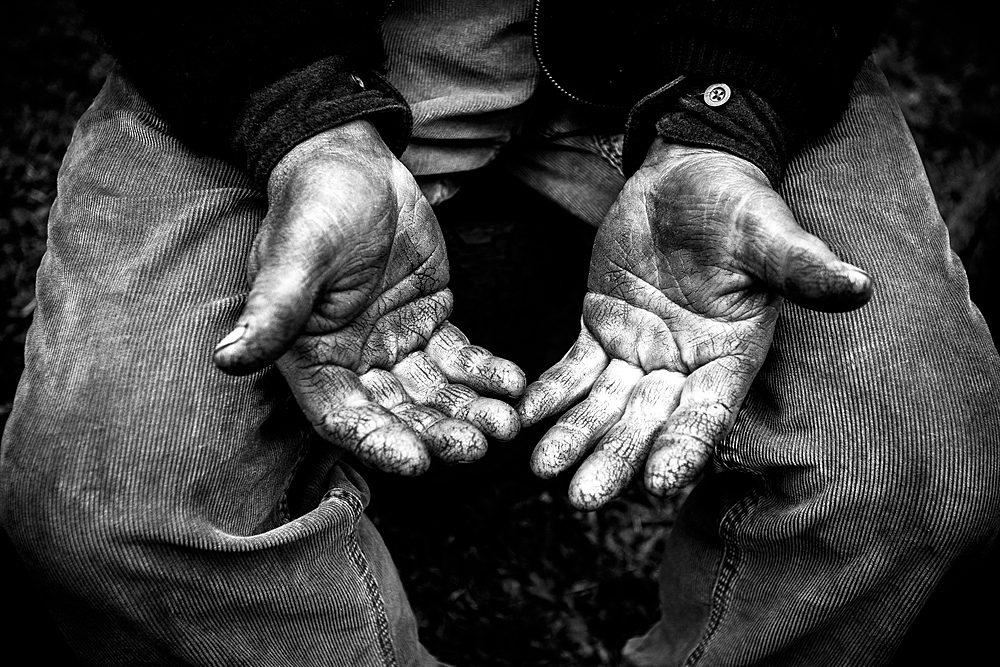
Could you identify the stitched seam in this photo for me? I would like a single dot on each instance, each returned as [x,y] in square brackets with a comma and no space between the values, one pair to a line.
[731,557]
[374,595]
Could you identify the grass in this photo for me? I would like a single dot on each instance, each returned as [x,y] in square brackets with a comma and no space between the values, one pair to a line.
[500,569]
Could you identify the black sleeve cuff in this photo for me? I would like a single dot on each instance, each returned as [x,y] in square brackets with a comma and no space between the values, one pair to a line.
[311,100]
[698,112]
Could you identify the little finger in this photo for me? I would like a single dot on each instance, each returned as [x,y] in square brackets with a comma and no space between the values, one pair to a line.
[472,365]
[494,418]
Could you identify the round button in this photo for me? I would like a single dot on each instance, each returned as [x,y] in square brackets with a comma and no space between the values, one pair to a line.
[717,94]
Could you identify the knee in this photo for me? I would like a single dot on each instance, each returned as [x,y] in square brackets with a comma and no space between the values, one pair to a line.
[75,503]
[960,499]
[63,530]
[940,494]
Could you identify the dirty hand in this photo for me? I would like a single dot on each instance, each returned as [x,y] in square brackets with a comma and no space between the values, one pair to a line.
[348,295]
[686,276]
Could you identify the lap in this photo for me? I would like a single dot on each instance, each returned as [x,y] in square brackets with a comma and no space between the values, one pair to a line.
[147,259]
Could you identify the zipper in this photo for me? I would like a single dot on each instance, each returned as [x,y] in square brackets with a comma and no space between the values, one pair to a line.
[385,12]
[548,73]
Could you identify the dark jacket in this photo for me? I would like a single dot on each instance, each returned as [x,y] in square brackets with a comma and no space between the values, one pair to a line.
[249,80]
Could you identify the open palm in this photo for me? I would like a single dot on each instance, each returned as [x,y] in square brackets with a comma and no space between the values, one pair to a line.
[349,276]
[686,275]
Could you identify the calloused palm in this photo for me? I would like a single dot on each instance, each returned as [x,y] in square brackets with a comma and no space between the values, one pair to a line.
[349,276]
[686,275]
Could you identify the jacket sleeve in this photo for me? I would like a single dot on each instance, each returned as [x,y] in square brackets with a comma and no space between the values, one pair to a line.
[704,112]
[790,64]
[248,81]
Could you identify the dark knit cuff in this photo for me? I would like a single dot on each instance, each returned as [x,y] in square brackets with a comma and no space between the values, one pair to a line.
[698,112]
[308,101]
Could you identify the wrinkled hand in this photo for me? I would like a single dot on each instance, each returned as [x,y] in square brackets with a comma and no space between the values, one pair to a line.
[348,294]
[686,276]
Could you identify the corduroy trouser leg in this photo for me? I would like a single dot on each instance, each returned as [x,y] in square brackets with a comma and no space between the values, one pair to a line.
[866,459]
[176,514]
[160,499]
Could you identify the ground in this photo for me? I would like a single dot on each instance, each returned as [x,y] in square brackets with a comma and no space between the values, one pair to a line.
[500,569]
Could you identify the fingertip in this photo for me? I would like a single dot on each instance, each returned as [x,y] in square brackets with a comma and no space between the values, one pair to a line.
[674,463]
[514,381]
[859,284]
[858,277]
[455,441]
[232,337]
[493,417]
[833,290]
[566,382]
[813,277]
[541,468]
[276,310]
[230,354]
[661,483]
[394,448]
[602,477]
[227,361]
[557,451]
[584,499]
[499,377]
[247,349]
[548,458]
[535,403]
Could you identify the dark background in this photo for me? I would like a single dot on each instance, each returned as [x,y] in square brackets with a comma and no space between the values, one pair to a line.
[499,568]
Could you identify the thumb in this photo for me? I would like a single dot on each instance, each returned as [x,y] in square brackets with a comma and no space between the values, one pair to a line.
[798,265]
[278,307]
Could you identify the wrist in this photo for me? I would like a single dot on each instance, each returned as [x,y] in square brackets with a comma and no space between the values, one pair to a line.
[326,94]
[730,118]
[355,141]
[700,112]
[667,156]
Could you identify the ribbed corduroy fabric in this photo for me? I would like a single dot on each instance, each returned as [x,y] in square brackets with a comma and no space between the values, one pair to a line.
[150,491]
[866,459]
[146,488]
[468,72]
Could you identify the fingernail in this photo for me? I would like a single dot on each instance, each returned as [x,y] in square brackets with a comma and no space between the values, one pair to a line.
[233,336]
[526,410]
[859,278]
[515,382]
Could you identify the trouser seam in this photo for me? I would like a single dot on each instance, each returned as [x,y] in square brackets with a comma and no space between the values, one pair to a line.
[728,566]
[371,585]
